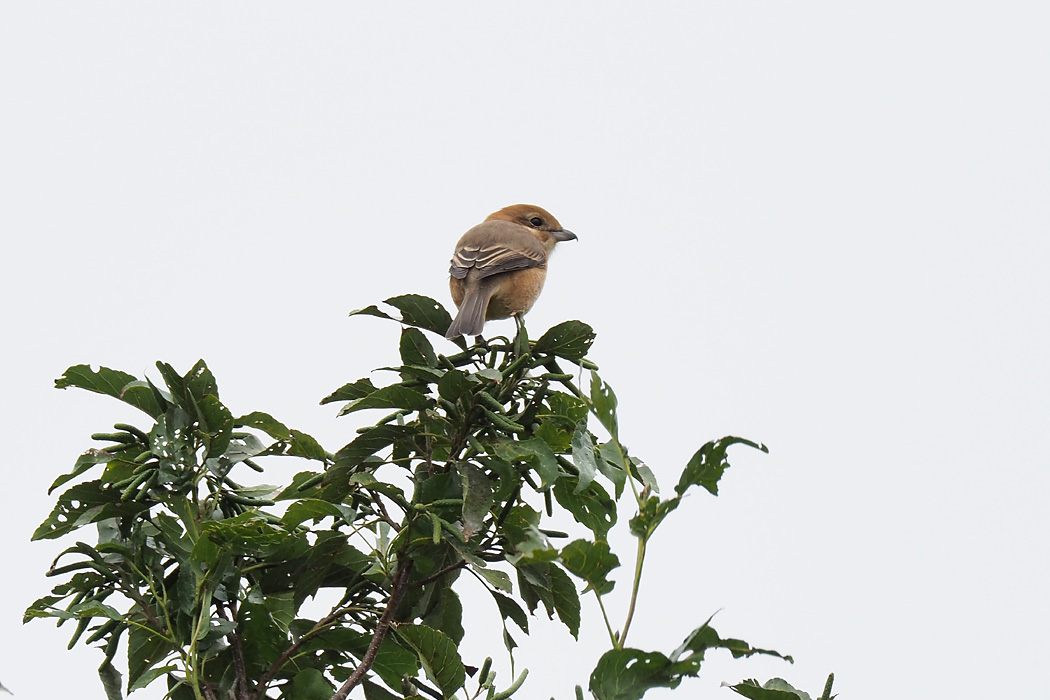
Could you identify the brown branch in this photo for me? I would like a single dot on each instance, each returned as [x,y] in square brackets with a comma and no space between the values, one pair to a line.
[383,626]
[290,651]
[434,577]
[241,687]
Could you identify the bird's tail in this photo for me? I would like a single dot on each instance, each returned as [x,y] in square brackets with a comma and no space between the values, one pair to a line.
[471,317]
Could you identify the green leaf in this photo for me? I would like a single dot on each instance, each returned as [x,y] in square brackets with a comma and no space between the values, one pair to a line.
[773,689]
[535,452]
[446,614]
[591,561]
[706,467]
[217,424]
[438,654]
[650,515]
[548,583]
[145,649]
[626,674]
[454,384]
[394,396]
[144,397]
[371,441]
[84,462]
[416,349]
[266,423]
[603,403]
[477,498]
[495,577]
[200,382]
[611,464]
[422,312]
[378,692]
[84,503]
[309,684]
[510,610]
[105,381]
[314,509]
[303,445]
[704,637]
[110,681]
[350,392]
[150,676]
[570,339]
[592,507]
[583,455]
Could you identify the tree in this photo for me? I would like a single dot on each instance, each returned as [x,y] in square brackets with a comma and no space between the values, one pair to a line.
[204,578]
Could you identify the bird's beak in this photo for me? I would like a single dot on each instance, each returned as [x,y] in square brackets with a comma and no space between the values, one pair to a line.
[563,235]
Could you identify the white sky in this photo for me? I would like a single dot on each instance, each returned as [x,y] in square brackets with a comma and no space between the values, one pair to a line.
[820,225]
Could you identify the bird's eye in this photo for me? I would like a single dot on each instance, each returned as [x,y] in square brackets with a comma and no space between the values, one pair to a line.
[536,221]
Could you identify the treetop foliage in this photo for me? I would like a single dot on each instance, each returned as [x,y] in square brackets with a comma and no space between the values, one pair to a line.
[201,575]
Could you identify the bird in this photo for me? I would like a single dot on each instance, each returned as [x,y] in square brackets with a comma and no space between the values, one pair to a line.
[499,266]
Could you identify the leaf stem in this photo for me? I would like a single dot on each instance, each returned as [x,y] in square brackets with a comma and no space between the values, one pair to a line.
[605,617]
[639,560]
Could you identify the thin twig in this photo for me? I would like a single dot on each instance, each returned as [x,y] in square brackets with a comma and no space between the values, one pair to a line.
[382,627]
[434,577]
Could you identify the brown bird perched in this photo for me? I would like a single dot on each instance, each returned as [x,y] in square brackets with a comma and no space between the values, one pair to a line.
[499,266]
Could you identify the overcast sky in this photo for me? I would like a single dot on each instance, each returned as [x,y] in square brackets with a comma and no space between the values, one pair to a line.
[820,225]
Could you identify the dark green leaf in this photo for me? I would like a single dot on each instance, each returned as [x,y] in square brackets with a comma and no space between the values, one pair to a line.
[110,681]
[309,684]
[105,381]
[378,692]
[535,452]
[626,674]
[82,504]
[422,312]
[176,385]
[603,403]
[591,561]
[84,462]
[546,582]
[704,637]
[438,654]
[372,441]
[145,649]
[477,498]
[454,384]
[773,689]
[611,464]
[350,392]
[266,423]
[650,515]
[446,614]
[150,676]
[592,507]
[583,455]
[495,577]
[570,339]
[200,382]
[394,396]
[145,398]
[303,445]
[706,467]
[217,424]
[510,610]
[416,349]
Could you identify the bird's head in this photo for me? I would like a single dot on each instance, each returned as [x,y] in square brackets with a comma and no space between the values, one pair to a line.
[536,218]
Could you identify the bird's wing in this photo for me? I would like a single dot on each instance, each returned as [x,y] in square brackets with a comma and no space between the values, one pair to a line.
[494,247]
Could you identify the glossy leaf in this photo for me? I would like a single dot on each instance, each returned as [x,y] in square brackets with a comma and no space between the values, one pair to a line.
[416,349]
[570,339]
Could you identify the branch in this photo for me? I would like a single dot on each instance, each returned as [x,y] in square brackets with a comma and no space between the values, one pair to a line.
[238,657]
[434,577]
[398,590]
[290,651]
